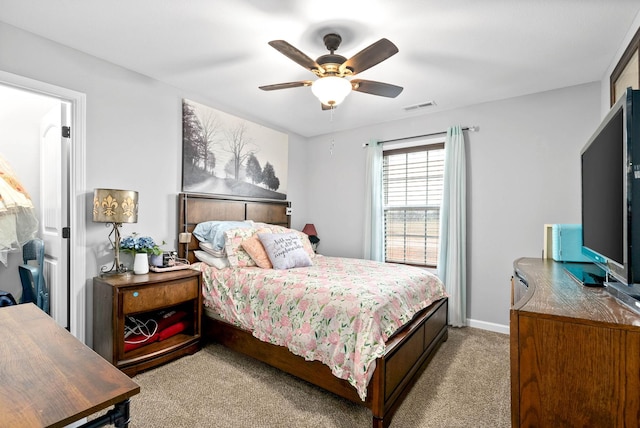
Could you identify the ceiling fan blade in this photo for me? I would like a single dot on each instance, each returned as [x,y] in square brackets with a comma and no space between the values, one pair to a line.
[294,54]
[376,88]
[286,85]
[370,56]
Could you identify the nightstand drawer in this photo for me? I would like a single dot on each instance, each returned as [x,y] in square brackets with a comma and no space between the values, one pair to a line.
[159,295]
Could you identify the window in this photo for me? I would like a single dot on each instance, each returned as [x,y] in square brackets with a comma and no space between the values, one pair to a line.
[413,181]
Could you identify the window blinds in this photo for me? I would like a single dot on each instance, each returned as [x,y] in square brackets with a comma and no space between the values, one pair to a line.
[413,181]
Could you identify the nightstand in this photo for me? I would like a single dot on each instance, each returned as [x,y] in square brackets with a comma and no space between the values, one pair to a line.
[145,296]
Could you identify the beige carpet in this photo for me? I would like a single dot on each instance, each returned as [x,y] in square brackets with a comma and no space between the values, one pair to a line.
[465,385]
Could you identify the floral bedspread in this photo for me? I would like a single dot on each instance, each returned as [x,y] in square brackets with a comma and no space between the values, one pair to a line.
[340,311]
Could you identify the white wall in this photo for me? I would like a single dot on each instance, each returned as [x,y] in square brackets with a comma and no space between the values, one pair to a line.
[523,172]
[133,138]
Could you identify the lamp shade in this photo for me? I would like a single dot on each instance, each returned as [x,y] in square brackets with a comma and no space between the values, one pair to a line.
[115,206]
[331,90]
[310,229]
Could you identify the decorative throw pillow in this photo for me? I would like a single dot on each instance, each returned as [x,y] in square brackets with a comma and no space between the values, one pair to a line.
[306,243]
[281,229]
[285,250]
[256,250]
[237,256]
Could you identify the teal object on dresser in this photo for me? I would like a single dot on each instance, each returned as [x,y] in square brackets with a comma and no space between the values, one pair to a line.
[566,245]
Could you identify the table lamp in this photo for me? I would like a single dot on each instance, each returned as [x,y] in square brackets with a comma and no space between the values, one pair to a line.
[114,207]
[310,230]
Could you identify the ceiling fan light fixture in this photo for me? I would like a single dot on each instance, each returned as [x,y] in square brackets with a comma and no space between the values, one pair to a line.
[331,90]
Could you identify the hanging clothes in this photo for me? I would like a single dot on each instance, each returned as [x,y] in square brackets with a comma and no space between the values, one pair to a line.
[18,222]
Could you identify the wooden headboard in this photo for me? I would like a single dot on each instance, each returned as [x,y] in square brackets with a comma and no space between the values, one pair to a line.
[194,208]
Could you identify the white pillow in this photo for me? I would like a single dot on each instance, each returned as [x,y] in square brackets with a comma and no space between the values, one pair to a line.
[285,250]
[208,247]
[217,262]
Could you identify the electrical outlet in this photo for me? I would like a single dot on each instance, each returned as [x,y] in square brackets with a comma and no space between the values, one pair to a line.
[289,211]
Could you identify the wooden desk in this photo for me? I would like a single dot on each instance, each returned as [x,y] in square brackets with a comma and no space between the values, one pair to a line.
[48,378]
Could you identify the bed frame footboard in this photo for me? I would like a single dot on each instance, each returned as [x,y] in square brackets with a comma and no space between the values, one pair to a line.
[408,354]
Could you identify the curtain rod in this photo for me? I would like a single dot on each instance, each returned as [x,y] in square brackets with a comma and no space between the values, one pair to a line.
[433,134]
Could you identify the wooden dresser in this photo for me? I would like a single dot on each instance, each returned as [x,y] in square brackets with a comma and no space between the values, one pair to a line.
[575,352]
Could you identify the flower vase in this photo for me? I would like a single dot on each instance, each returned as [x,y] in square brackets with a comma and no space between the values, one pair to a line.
[141,263]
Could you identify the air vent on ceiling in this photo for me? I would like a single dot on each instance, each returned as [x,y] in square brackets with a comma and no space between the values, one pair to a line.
[420,105]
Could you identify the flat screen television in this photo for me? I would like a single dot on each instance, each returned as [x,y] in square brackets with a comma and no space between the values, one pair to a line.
[610,179]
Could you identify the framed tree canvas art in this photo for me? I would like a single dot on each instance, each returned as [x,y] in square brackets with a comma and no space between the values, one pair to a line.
[226,155]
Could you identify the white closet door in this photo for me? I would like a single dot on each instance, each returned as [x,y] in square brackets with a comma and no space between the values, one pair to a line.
[54,192]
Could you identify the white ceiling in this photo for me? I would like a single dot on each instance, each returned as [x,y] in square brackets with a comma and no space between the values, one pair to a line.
[454,52]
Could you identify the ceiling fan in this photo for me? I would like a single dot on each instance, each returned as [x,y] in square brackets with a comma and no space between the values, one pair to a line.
[332,85]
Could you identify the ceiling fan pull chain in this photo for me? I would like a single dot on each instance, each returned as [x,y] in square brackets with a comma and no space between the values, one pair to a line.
[333,138]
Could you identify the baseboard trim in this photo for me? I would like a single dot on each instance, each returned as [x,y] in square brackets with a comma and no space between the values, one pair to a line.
[483,325]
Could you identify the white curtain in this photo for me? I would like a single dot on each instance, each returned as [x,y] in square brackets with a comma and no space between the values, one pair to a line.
[452,258]
[373,213]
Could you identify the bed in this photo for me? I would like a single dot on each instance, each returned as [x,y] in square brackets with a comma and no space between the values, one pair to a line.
[405,353]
